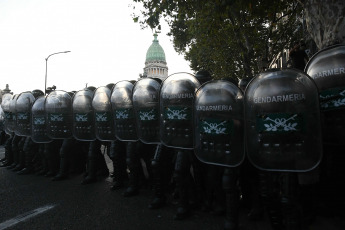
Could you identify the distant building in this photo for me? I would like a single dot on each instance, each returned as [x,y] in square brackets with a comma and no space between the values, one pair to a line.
[4,91]
[155,63]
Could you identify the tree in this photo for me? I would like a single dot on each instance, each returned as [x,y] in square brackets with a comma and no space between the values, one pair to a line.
[233,38]
[229,38]
[325,21]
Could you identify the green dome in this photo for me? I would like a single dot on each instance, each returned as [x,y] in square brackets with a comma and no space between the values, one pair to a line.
[155,51]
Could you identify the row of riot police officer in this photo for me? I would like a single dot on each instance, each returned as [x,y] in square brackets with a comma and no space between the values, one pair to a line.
[30,151]
[215,133]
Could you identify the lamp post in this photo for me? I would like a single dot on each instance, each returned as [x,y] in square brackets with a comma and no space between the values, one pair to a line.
[45,83]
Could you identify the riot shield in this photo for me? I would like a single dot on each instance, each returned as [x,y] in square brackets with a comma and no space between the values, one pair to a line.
[5,105]
[39,122]
[282,117]
[122,105]
[176,108]
[12,106]
[2,119]
[104,120]
[23,113]
[219,124]
[83,116]
[146,110]
[327,69]
[58,107]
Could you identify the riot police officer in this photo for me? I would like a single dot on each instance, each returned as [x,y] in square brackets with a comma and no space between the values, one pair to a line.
[326,68]
[176,99]
[283,136]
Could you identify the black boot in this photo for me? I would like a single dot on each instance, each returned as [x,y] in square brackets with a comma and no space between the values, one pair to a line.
[63,171]
[28,163]
[133,185]
[183,210]
[270,194]
[28,152]
[291,208]
[53,165]
[134,165]
[101,166]
[8,160]
[161,176]
[182,178]
[230,179]
[21,164]
[44,168]
[119,174]
[159,199]
[91,172]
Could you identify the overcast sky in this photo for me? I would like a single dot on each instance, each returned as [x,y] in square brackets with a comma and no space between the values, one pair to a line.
[106,45]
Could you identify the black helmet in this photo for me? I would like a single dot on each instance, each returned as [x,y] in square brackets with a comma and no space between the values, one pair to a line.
[157,79]
[37,93]
[110,86]
[71,93]
[92,88]
[203,76]
[242,84]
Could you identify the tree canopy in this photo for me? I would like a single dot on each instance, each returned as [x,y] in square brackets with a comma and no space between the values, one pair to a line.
[229,38]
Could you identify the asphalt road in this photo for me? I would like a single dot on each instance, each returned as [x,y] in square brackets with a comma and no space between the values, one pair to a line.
[35,202]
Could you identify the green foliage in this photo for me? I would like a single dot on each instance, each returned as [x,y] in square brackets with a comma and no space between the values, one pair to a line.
[229,38]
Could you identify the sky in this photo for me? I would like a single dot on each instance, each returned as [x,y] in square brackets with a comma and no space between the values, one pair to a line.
[105,44]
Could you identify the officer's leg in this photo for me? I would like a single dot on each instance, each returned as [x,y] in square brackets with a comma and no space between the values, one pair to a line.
[309,182]
[199,189]
[21,155]
[270,193]
[36,160]
[102,169]
[91,162]
[28,149]
[15,151]
[67,144]
[8,153]
[43,158]
[77,157]
[117,154]
[230,185]
[290,206]
[161,175]
[182,178]
[249,184]
[134,166]
[147,152]
[215,194]
[51,151]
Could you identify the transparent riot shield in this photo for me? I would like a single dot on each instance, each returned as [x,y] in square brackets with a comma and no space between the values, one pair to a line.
[282,118]
[146,110]
[13,122]
[122,105]
[5,105]
[39,122]
[327,69]
[58,107]
[104,120]
[219,124]
[23,112]
[176,108]
[83,116]
[2,120]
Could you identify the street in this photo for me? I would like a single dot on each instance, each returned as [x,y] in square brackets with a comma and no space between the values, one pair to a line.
[36,202]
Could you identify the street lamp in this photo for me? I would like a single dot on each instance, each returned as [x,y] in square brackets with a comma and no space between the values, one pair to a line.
[45,83]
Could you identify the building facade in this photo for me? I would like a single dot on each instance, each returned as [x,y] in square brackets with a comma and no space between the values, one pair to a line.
[155,63]
[2,92]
